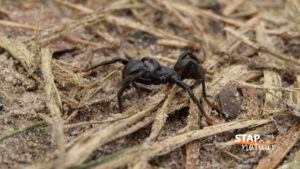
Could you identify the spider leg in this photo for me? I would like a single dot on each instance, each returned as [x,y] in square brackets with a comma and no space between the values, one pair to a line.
[190,92]
[125,84]
[204,94]
[108,62]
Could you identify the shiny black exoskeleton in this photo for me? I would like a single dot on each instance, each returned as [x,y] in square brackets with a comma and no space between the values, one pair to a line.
[149,71]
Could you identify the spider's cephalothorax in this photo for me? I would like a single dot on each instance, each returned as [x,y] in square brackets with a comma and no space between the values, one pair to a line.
[149,71]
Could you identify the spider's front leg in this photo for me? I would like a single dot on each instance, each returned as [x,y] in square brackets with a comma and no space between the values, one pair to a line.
[108,62]
[190,92]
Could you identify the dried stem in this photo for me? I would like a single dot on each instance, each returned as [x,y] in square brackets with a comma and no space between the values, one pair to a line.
[126,156]
[54,105]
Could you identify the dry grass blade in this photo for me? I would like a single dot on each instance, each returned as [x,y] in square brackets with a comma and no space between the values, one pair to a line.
[190,23]
[5,13]
[91,92]
[54,105]
[117,5]
[139,125]
[22,130]
[147,121]
[19,52]
[231,42]
[298,94]
[79,152]
[94,45]
[232,7]
[126,156]
[75,6]
[157,126]
[268,87]
[263,48]
[37,45]
[295,162]
[293,8]
[138,26]
[67,75]
[242,37]
[283,146]
[43,123]
[161,116]
[272,99]
[193,148]
[230,75]
[168,39]
[56,32]
[183,21]
[176,43]
[17,25]
[192,11]
[172,143]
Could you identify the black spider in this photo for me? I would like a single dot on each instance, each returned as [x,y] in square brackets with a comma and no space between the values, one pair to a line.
[150,72]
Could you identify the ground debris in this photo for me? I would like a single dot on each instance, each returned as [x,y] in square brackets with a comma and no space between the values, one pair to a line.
[249,49]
